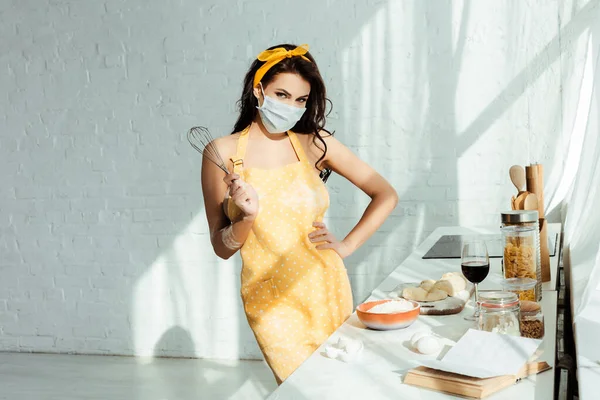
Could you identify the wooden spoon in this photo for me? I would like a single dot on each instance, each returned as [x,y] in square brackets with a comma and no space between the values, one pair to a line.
[517,176]
[531,202]
[520,200]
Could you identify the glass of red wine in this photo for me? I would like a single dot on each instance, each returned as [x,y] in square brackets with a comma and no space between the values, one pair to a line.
[475,266]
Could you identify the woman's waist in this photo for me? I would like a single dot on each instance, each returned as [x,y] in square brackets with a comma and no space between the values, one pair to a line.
[293,266]
[281,237]
[273,248]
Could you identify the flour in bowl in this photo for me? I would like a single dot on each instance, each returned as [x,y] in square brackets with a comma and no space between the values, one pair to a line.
[391,307]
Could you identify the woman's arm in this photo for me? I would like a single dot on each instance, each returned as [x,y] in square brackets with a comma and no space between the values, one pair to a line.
[383,197]
[227,238]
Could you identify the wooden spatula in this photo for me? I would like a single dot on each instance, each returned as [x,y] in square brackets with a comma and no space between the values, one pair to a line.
[517,176]
[531,202]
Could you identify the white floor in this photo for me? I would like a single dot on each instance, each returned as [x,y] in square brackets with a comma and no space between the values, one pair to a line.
[52,376]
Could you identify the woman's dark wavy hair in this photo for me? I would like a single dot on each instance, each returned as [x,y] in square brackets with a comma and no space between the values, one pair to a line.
[313,119]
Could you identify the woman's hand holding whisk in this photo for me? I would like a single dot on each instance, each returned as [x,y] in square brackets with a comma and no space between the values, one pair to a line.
[243,195]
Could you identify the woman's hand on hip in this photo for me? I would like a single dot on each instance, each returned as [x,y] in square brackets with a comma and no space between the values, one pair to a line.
[243,195]
[322,234]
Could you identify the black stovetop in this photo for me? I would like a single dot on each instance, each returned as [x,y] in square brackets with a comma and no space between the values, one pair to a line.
[450,246]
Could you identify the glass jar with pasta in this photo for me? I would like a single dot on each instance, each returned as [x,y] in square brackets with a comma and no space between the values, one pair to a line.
[522,287]
[521,249]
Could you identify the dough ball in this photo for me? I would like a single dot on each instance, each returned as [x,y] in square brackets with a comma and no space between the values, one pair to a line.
[458,274]
[414,293]
[449,274]
[436,295]
[444,285]
[427,284]
[458,282]
[451,285]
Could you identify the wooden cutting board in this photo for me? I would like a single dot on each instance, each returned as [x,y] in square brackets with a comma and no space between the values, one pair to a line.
[448,306]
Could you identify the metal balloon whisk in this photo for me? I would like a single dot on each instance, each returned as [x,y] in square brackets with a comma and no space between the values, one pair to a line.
[201,140]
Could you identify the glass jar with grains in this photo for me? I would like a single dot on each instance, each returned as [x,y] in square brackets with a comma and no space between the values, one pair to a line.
[532,320]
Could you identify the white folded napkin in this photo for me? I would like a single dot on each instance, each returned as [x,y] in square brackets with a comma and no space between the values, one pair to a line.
[346,350]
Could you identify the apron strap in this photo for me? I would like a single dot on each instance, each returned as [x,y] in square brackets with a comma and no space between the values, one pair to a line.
[297,146]
[232,211]
[238,159]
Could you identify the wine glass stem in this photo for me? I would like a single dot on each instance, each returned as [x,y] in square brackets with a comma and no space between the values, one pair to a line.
[476,314]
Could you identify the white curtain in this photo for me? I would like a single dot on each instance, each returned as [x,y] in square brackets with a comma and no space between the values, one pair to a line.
[582,217]
[578,193]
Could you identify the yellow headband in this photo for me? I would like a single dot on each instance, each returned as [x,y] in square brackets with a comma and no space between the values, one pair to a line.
[272,57]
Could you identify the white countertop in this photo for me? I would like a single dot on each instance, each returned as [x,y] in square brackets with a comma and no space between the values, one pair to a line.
[379,372]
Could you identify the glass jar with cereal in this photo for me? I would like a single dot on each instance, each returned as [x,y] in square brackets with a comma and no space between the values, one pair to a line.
[521,258]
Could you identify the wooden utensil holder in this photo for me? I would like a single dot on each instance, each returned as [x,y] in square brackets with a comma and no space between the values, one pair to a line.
[534,176]
[545,253]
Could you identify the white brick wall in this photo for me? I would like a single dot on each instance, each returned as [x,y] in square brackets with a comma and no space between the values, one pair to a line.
[103,241]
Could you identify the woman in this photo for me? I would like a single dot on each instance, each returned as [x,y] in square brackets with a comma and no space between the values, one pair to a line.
[295,288]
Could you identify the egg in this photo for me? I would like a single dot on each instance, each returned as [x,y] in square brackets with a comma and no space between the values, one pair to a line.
[415,338]
[332,352]
[353,347]
[428,345]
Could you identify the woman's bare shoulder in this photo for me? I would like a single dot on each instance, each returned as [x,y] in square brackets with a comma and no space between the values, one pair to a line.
[226,145]
[227,141]
[314,144]
[325,134]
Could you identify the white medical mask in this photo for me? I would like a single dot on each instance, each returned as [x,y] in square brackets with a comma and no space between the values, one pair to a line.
[276,116]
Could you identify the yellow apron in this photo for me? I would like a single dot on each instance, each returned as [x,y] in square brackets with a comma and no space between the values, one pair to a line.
[294,295]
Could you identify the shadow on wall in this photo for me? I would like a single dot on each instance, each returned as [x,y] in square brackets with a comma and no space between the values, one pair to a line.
[393,71]
[117,202]
[186,285]
[465,73]
[395,115]
[399,115]
[175,339]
